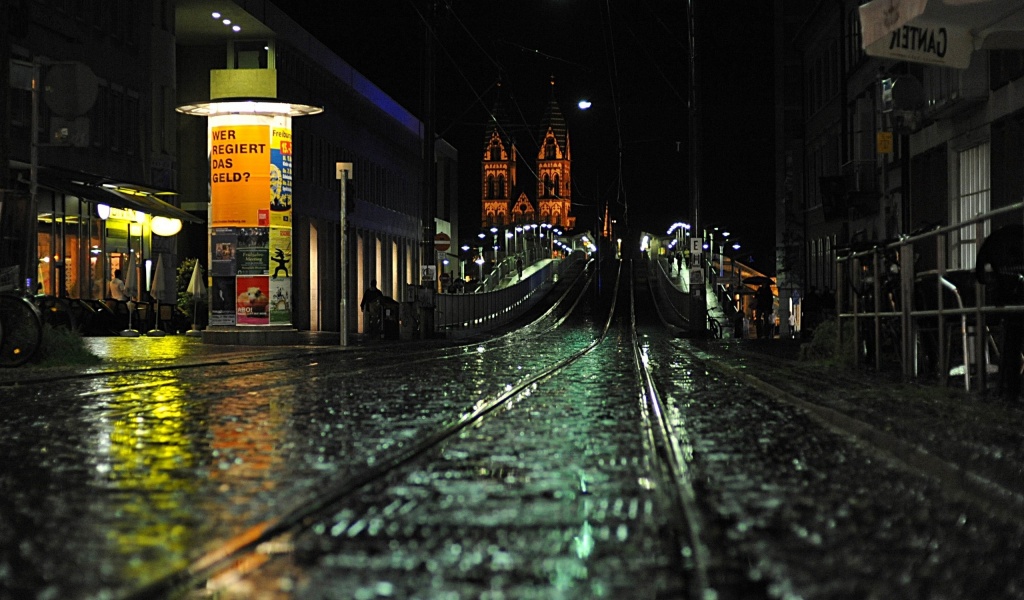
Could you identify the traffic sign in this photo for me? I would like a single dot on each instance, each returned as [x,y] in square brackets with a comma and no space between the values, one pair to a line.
[442,242]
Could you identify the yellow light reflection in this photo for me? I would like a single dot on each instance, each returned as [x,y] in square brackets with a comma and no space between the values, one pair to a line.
[149,450]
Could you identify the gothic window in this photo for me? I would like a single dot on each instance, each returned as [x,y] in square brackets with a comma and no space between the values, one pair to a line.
[490,187]
[549,149]
[547,185]
[501,186]
[557,188]
[495,152]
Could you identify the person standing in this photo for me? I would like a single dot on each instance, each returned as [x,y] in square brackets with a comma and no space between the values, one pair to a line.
[765,304]
[370,305]
[115,287]
[519,266]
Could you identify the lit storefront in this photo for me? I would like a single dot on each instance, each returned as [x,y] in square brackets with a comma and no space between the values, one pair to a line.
[85,231]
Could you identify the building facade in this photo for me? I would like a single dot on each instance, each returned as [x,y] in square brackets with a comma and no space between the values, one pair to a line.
[107,133]
[876,148]
[87,157]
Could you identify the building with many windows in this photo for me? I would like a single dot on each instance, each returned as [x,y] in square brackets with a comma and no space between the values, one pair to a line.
[95,123]
[872,148]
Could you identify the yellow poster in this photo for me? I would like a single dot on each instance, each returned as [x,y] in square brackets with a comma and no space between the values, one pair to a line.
[240,176]
[280,252]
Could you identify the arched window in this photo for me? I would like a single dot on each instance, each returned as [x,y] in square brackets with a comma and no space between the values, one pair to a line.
[490,187]
[549,148]
[547,185]
[495,151]
[557,188]
[501,186]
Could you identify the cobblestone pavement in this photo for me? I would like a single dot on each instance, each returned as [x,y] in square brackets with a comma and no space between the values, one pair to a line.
[130,475]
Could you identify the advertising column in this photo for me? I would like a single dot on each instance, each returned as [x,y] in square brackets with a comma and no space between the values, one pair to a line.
[250,219]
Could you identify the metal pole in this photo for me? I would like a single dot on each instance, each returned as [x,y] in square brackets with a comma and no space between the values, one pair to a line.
[32,258]
[343,172]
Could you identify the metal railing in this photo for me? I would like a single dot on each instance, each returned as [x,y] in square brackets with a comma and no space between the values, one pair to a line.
[903,302]
[460,315]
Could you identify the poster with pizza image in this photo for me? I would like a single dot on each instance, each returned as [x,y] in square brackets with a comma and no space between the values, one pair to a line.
[252,300]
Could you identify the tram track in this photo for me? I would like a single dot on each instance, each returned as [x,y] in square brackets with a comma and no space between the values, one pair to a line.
[354,510]
[895,429]
[252,549]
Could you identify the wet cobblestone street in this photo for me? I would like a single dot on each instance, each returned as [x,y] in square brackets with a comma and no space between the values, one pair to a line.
[845,486]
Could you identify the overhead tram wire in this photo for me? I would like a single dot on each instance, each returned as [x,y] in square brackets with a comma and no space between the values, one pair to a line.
[650,59]
[613,77]
[462,74]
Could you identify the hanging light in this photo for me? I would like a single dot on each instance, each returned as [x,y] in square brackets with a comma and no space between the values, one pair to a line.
[165,227]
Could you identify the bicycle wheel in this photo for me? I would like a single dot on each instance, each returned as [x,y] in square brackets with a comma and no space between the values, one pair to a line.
[22,330]
[714,328]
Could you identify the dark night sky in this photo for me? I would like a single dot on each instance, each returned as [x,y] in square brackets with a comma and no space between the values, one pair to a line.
[628,56]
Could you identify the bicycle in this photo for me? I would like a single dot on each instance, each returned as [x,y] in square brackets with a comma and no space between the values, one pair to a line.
[714,328]
[21,329]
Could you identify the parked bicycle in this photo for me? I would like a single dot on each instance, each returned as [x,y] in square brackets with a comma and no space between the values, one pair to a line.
[21,329]
[714,328]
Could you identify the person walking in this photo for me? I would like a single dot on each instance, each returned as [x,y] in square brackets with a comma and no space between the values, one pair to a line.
[370,305]
[519,266]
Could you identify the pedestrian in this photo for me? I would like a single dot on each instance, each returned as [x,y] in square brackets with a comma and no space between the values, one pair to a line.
[519,266]
[999,266]
[764,304]
[679,263]
[115,288]
[370,305]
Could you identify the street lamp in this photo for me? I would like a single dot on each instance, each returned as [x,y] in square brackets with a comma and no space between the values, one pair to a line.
[465,248]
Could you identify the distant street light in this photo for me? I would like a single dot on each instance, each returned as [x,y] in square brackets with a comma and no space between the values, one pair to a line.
[584,104]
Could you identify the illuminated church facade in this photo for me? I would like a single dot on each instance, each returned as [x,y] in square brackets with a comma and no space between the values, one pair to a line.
[544,195]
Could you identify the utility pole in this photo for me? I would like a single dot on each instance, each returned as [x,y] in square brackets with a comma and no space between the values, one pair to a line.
[343,172]
[6,14]
[429,125]
[698,299]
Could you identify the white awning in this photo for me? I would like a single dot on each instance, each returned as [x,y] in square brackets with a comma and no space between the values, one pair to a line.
[940,32]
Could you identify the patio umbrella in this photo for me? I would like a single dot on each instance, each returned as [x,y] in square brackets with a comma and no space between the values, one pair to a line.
[940,32]
[131,289]
[197,288]
[156,290]
[758,280]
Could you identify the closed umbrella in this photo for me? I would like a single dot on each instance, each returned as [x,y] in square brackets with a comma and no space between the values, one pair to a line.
[156,290]
[131,289]
[197,288]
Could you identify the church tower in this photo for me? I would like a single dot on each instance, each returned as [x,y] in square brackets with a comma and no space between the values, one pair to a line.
[554,168]
[498,169]
[503,200]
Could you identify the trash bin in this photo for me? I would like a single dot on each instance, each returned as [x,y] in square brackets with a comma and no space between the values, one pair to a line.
[389,318]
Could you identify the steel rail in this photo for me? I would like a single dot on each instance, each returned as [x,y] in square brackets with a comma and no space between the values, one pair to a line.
[664,439]
[242,551]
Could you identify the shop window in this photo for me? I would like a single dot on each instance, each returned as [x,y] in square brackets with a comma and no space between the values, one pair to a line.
[974,198]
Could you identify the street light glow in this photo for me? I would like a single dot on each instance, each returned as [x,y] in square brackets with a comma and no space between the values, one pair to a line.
[584,104]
